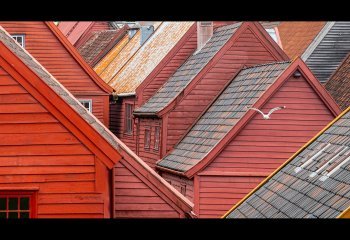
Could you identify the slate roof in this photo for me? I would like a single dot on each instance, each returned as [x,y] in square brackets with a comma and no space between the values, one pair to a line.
[225,112]
[97,43]
[57,87]
[297,36]
[148,56]
[184,75]
[339,84]
[328,49]
[291,194]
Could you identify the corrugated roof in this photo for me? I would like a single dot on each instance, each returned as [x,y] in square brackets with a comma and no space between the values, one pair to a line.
[339,84]
[149,56]
[328,49]
[97,43]
[188,71]
[293,193]
[61,91]
[297,36]
[113,62]
[226,111]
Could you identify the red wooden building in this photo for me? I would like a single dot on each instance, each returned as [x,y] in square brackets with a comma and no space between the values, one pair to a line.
[171,99]
[78,32]
[56,157]
[230,149]
[52,49]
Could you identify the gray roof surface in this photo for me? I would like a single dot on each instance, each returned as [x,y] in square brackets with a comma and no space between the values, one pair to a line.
[243,91]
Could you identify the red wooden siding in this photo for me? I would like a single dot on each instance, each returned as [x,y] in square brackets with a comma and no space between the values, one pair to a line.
[133,198]
[149,155]
[217,194]
[51,53]
[179,182]
[117,121]
[37,151]
[169,69]
[246,50]
[262,146]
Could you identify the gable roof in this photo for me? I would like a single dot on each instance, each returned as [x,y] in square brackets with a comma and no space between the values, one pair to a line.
[120,54]
[99,44]
[293,191]
[224,118]
[193,67]
[65,107]
[73,30]
[148,56]
[75,54]
[328,49]
[297,36]
[339,84]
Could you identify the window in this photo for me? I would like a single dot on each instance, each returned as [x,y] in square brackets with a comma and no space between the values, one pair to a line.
[183,189]
[156,137]
[20,39]
[16,204]
[147,137]
[87,103]
[128,118]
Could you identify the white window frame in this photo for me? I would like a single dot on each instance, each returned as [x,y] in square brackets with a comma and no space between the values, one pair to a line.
[16,36]
[89,101]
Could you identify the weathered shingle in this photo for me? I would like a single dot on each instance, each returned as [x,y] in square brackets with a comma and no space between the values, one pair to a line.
[97,43]
[184,75]
[304,196]
[339,84]
[243,91]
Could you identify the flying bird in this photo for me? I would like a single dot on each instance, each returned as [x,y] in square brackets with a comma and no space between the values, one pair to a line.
[267,116]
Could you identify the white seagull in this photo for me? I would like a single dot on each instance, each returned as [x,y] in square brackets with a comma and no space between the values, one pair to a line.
[267,116]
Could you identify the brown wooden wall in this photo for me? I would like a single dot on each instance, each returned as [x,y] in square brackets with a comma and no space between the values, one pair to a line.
[50,52]
[246,50]
[117,121]
[37,151]
[263,145]
[133,198]
[181,55]
[150,156]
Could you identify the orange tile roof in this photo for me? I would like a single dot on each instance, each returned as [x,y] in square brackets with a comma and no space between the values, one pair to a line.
[117,58]
[297,36]
[149,56]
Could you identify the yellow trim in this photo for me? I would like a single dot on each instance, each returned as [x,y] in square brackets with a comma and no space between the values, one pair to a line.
[344,213]
[290,159]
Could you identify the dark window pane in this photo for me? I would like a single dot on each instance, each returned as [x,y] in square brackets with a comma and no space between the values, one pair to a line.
[24,215]
[13,215]
[24,204]
[13,203]
[2,215]
[2,203]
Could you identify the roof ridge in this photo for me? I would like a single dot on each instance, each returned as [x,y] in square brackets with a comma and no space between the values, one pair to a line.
[267,64]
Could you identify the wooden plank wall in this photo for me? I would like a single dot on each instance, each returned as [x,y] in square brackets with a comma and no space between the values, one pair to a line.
[38,151]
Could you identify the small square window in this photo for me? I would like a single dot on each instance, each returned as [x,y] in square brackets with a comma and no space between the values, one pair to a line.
[16,204]
[87,103]
[20,38]
[147,137]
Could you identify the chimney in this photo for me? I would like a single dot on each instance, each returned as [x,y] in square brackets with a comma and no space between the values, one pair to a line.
[204,33]
[147,29]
